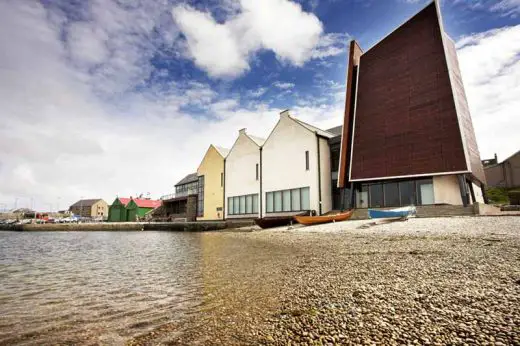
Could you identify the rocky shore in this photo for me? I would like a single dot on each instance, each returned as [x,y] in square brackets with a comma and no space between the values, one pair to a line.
[424,281]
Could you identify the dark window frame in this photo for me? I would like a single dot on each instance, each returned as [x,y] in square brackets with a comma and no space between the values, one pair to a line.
[307,164]
[257,172]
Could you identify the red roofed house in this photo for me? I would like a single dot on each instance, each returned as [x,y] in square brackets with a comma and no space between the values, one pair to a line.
[130,209]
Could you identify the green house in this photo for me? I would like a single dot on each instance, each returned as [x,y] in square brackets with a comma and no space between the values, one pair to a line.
[130,209]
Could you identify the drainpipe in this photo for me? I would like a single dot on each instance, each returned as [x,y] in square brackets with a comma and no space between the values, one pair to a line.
[260,177]
[319,171]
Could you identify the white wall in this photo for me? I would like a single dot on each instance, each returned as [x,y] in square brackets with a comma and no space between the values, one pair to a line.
[241,170]
[446,190]
[478,193]
[283,163]
[326,180]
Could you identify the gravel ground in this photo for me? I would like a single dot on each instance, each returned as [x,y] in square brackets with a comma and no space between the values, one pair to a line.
[424,281]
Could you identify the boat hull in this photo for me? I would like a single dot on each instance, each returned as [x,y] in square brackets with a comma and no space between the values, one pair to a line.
[316,220]
[392,213]
[276,221]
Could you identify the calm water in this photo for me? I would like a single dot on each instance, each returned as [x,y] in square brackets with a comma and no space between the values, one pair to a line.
[95,287]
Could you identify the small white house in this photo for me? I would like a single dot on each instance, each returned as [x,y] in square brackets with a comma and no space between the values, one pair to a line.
[242,177]
[296,169]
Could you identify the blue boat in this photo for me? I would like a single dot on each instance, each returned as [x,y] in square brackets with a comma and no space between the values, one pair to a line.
[392,213]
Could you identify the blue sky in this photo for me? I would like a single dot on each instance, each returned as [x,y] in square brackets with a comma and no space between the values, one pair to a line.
[103,97]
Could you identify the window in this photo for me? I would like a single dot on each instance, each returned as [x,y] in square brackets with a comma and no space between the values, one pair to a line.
[295,200]
[278,201]
[407,192]
[230,208]
[221,179]
[249,204]
[362,197]
[200,196]
[243,205]
[257,171]
[391,194]
[376,195]
[306,160]
[269,203]
[425,191]
[287,200]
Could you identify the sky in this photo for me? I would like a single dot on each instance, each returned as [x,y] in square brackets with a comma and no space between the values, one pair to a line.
[106,98]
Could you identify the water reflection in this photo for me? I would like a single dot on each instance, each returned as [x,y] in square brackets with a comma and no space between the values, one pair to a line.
[97,287]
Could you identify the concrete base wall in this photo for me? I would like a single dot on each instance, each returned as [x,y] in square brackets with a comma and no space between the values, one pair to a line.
[446,190]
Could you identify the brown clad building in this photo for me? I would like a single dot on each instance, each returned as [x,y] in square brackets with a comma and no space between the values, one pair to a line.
[407,135]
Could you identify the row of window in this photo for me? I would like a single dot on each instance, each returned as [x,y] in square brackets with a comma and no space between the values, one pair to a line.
[242,205]
[288,200]
[200,196]
[395,194]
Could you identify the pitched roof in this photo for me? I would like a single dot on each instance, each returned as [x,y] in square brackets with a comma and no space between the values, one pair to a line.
[337,131]
[259,141]
[221,151]
[124,201]
[147,203]
[314,128]
[190,178]
[86,202]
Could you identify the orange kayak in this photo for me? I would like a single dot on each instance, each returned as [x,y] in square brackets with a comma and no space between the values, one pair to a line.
[315,220]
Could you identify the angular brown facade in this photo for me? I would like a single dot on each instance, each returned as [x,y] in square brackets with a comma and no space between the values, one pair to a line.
[406,113]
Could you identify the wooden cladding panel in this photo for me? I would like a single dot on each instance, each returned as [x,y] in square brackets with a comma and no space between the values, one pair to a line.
[406,121]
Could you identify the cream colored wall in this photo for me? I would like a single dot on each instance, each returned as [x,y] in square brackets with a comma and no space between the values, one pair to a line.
[283,163]
[240,170]
[446,190]
[478,193]
[99,207]
[211,167]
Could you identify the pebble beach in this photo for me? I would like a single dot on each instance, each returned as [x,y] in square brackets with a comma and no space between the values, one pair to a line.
[424,281]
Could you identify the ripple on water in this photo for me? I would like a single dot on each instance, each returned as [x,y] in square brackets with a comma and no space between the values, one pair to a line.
[103,287]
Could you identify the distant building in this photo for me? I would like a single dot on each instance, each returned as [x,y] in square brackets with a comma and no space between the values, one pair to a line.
[295,169]
[505,174]
[242,177]
[131,209]
[408,136]
[490,162]
[210,196]
[94,208]
[182,205]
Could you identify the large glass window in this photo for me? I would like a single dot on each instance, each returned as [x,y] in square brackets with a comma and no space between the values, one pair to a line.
[425,191]
[305,199]
[407,192]
[362,197]
[236,204]
[295,200]
[255,203]
[269,203]
[278,201]
[376,195]
[391,194]
[249,204]
[286,200]
[231,211]
[243,205]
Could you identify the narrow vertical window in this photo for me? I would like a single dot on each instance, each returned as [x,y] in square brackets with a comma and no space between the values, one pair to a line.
[257,171]
[306,160]
[221,179]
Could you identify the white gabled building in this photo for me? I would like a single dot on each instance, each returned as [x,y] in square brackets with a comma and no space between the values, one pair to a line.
[295,169]
[242,177]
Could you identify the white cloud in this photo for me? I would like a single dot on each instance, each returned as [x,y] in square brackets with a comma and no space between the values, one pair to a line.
[224,49]
[72,124]
[490,66]
[507,7]
[331,44]
[258,92]
[283,85]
